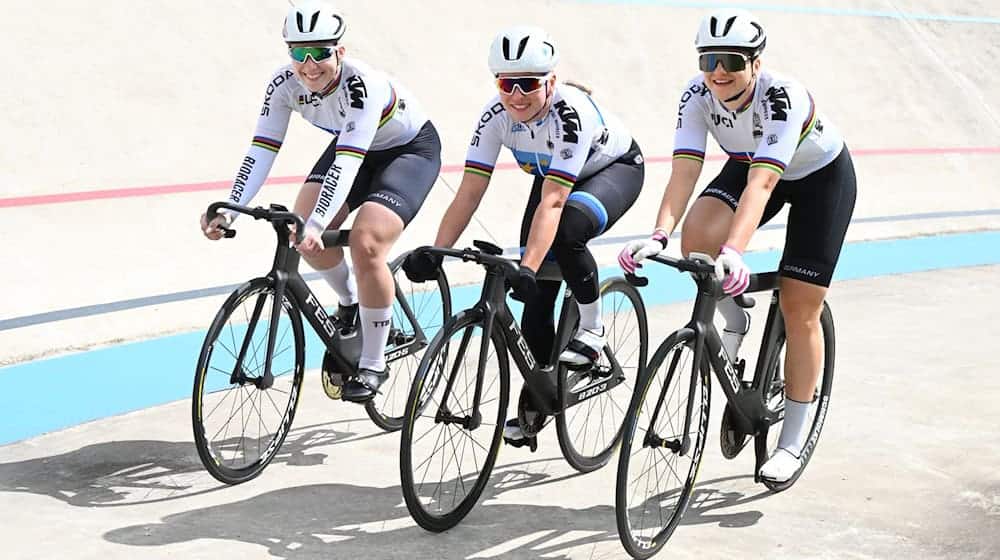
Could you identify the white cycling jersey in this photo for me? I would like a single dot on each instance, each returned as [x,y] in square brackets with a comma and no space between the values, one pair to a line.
[573,140]
[364,108]
[779,128]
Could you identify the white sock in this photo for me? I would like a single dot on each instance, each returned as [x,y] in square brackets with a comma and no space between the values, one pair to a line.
[590,316]
[375,323]
[795,426]
[737,320]
[341,279]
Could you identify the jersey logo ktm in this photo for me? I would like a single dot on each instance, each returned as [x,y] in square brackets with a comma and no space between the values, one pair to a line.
[571,122]
[780,103]
[357,91]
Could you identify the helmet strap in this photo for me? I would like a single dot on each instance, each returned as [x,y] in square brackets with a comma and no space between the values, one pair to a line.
[753,80]
[545,106]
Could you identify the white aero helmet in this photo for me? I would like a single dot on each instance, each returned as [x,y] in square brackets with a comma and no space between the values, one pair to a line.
[313,22]
[731,28]
[523,49]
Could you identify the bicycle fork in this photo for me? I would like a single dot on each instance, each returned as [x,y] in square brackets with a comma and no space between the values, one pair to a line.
[266,381]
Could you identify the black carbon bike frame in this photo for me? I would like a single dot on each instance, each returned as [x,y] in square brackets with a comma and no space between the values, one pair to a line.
[545,383]
[289,284]
[747,399]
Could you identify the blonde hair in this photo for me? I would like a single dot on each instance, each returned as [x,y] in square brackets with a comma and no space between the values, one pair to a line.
[579,86]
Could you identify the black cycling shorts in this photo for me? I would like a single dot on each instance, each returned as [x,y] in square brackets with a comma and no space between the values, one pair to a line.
[822,204]
[604,197]
[398,178]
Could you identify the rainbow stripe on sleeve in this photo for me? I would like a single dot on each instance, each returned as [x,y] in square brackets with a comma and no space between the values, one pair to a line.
[268,144]
[561,177]
[810,120]
[769,163]
[477,168]
[390,109]
[352,151]
[695,155]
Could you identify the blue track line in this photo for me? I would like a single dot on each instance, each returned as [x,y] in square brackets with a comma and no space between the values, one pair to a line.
[56,393]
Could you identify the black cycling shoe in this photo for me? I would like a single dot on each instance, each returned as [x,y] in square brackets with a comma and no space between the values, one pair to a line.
[513,435]
[362,387]
[346,318]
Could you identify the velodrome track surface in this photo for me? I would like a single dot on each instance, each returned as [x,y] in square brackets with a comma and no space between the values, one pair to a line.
[110,155]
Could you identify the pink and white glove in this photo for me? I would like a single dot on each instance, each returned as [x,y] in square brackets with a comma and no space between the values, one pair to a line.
[737,279]
[639,249]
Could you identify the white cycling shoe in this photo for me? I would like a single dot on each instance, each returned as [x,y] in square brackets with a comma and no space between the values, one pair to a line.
[781,467]
[584,349]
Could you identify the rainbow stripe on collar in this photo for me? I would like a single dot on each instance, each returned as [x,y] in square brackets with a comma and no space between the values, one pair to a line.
[332,86]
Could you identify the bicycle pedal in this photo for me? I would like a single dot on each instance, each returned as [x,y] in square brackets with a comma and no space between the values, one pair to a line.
[530,441]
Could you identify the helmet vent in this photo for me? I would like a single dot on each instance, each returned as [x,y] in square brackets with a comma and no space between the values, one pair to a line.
[312,23]
[725,31]
[520,48]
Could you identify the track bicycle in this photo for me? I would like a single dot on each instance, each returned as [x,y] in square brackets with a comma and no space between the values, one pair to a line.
[249,375]
[457,406]
[667,421]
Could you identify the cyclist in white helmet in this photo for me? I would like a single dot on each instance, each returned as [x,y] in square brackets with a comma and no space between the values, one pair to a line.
[782,149]
[587,171]
[383,160]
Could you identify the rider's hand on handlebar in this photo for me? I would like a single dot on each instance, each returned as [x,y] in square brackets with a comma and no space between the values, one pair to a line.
[312,240]
[421,266]
[212,229]
[733,272]
[526,287]
[638,249]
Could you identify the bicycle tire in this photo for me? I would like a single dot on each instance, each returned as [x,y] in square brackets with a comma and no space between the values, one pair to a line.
[212,377]
[388,407]
[605,438]
[639,415]
[424,506]
[824,388]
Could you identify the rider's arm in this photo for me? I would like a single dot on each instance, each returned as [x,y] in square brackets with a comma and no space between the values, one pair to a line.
[480,159]
[369,98]
[684,175]
[267,139]
[690,139]
[461,209]
[788,117]
[545,222]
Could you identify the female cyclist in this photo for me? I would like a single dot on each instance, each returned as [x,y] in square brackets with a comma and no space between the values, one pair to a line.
[781,149]
[383,160]
[587,172]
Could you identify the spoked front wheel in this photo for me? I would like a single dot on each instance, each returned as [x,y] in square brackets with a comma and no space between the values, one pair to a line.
[590,431]
[427,304]
[448,449]
[241,416]
[660,453]
[774,382]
